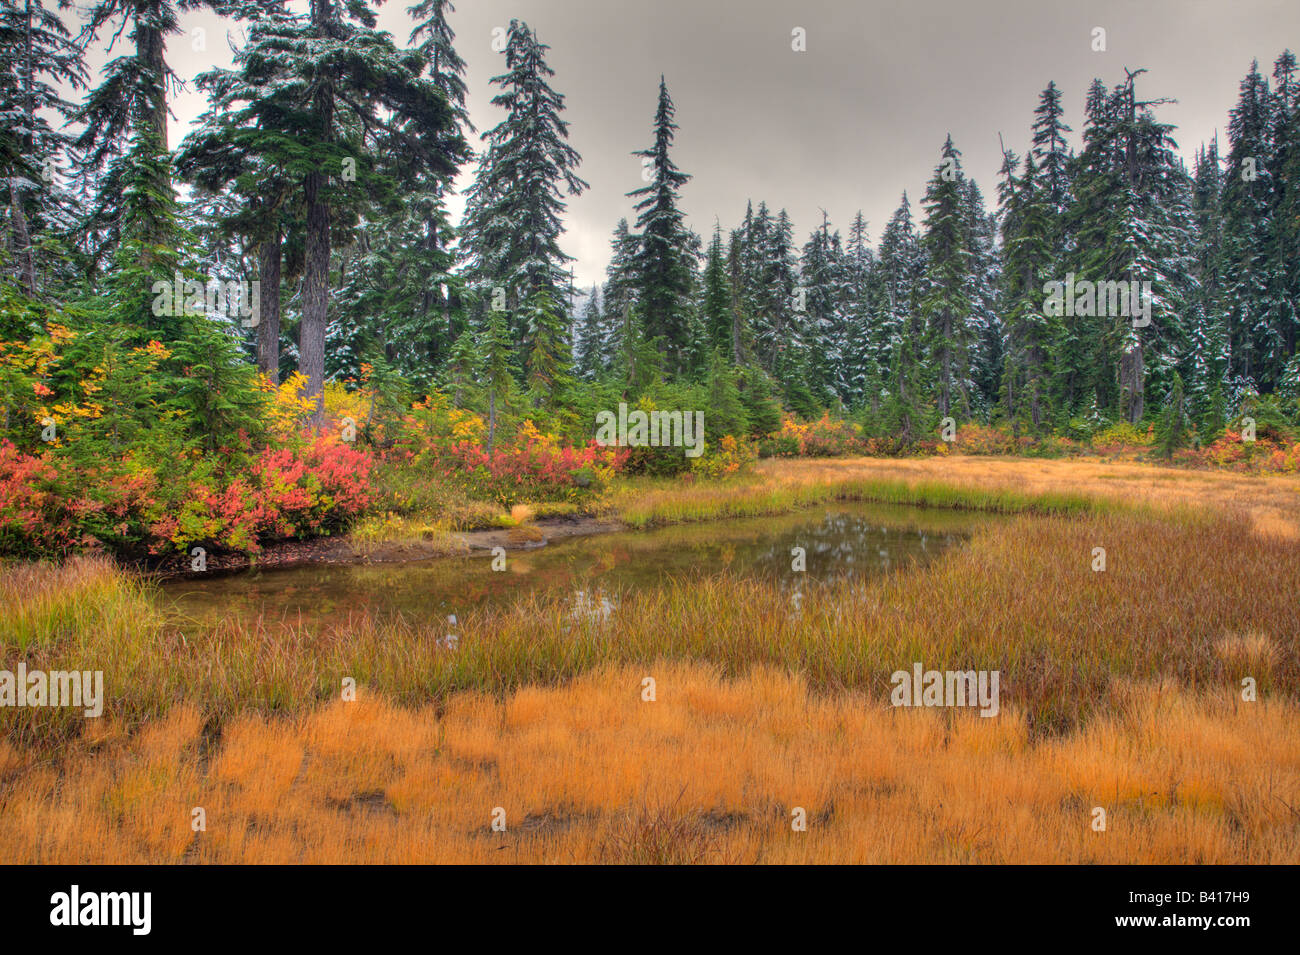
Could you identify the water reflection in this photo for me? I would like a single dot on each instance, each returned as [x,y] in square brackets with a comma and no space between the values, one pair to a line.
[847,541]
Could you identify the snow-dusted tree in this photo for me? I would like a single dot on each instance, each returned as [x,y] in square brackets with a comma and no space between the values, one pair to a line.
[620,296]
[512,225]
[1207,333]
[985,315]
[664,264]
[347,116]
[1248,191]
[896,283]
[1027,259]
[949,285]
[1132,222]
[820,300]
[865,357]
[38,58]
[1051,152]
[589,339]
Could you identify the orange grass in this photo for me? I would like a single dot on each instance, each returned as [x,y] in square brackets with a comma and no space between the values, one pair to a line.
[1119,689]
[1181,602]
[708,772]
[1272,503]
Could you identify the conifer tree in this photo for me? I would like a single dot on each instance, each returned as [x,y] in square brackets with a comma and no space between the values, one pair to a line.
[664,262]
[717,300]
[589,341]
[948,298]
[38,58]
[512,224]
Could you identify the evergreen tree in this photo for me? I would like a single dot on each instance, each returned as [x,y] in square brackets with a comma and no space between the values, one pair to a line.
[349,117]
[1206,329]
[549,354]
[589,342]
[497,351]
[1027,261]
[865,358]
[664,263]
[948,298]
[512,224]
[37,58]
[895,290]
[1247,202]
[620,287]
[717,299]
[725,413]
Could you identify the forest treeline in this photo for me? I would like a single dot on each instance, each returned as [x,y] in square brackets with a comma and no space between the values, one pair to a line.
[320,172]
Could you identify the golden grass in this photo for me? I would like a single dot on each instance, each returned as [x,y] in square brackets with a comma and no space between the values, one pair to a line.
[1119,689]
[1271,503]
[1021,597]
[709,772]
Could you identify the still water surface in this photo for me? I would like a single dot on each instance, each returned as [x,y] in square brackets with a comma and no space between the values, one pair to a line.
[842,540]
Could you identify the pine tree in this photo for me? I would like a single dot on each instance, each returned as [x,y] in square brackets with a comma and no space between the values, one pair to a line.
[664,263]
[37,58]
[1247,207]
[726,412]
[512,223]
[1207,334]
[1027,231]
[463,366]
[864,358]
[823,292]
[347,115]
[1283,256]
[717,298]
[1051,156]
[985,322]
[901,265]
[496,350]
[589,342]
[620,287]
[1171,434]
[1133,223]
[549,354]
[949,284]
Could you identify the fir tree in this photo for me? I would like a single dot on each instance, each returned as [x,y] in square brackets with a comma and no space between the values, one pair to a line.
[513,212]
[38,57]
[589,342]
[664,263]
[949,283]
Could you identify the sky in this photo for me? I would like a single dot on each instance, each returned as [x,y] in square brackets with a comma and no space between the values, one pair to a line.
[848,123]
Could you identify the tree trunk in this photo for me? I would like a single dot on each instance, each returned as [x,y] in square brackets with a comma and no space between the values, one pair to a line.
[1131,374]
[316,267]
[315,297]
[22,239]
[268,327]
[149,51]
[492,419]
[18,217]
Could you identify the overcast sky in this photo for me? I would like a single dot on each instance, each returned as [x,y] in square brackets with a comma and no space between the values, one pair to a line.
[849,123]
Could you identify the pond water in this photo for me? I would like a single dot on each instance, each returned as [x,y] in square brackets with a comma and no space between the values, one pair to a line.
[842,540]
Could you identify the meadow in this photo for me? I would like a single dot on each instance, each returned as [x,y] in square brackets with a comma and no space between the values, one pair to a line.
[1121,690]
